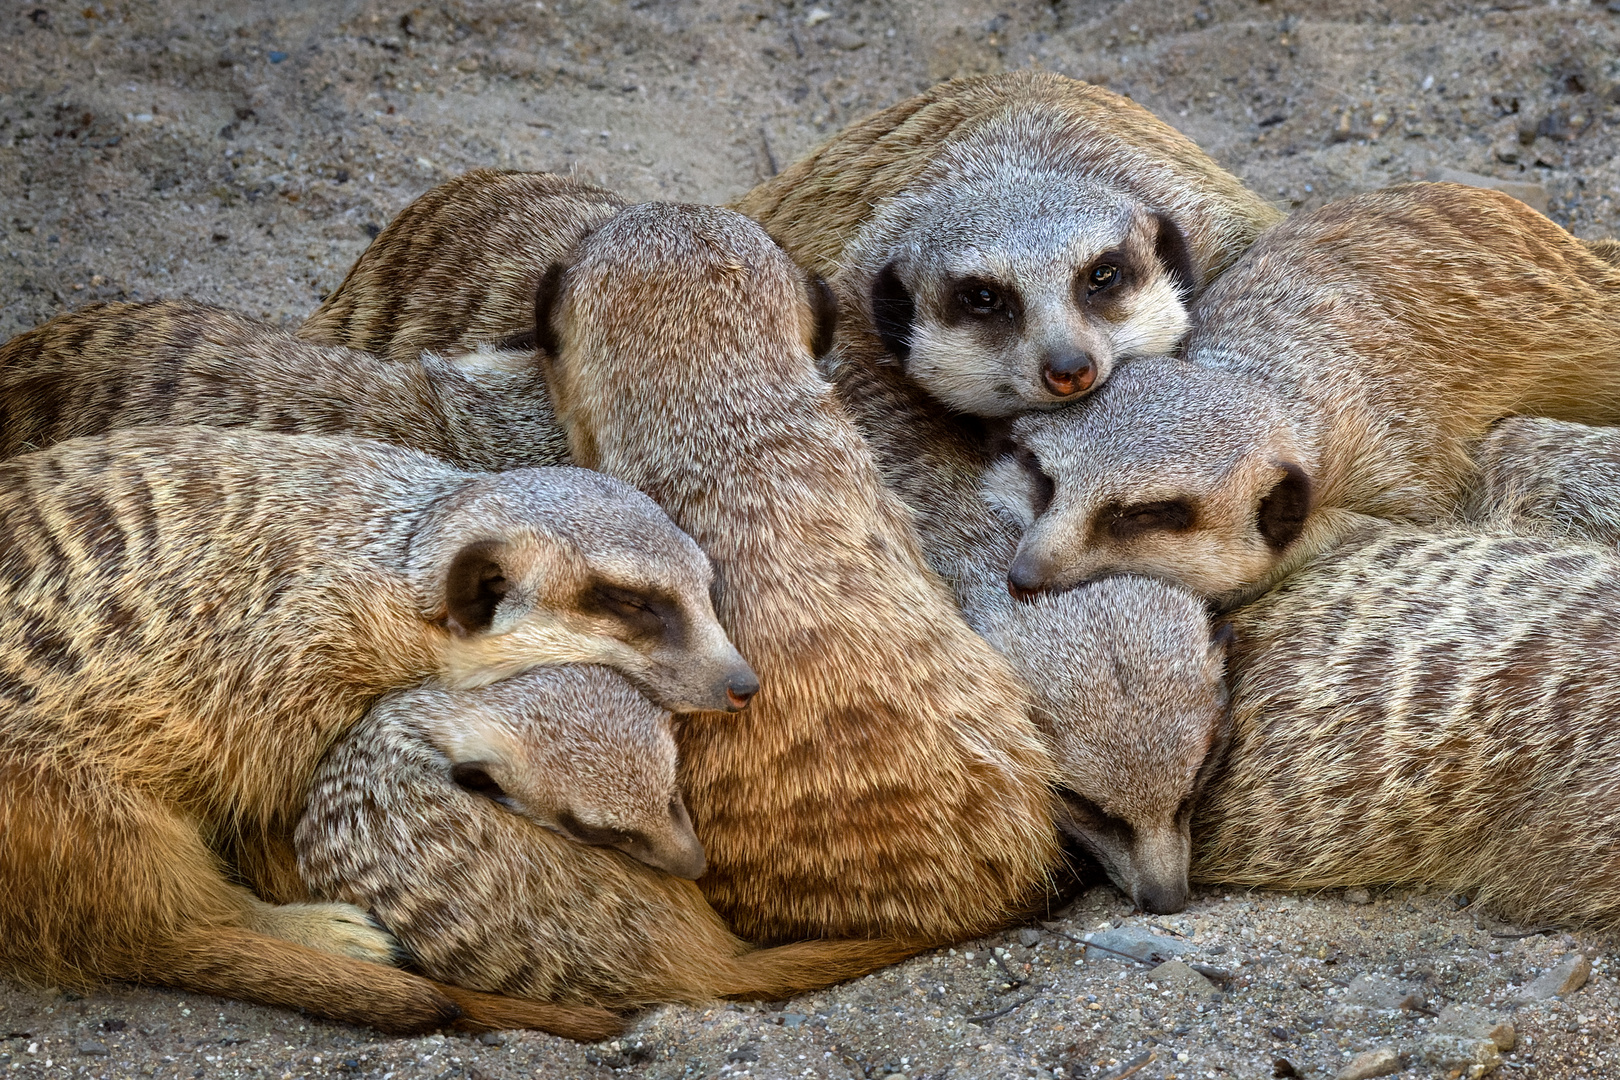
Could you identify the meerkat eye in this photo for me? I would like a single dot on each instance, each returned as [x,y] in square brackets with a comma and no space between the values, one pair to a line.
[1101,277]
[981,300]
[1125,522]
[641,613]
[1042,488]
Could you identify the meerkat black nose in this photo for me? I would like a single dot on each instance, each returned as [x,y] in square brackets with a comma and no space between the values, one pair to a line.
[1026,578]
[741,687]
[1069,375]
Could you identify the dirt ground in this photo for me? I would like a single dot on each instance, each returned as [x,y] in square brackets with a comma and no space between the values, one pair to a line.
[246,156]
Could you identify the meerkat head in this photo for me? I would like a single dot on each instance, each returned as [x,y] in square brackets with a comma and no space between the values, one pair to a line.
[1184,473]
[576,750]
[649,290]
[1008,289]
[1134,727]
[566,566]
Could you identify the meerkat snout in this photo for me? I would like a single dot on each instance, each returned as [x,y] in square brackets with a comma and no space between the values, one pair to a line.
[577,750]
[1004,296]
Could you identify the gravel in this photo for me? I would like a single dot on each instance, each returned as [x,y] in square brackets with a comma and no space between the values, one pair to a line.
[246,154]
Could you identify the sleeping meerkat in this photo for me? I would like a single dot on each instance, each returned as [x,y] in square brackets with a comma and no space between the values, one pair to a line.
[1550,476]
[888,780]
[576,750]
[458,268]
[1428,708]
[172,362]
[1316,391]
[1009,239]
[414,823]
[189,617]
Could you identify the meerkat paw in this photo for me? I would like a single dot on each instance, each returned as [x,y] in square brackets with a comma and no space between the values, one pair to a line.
[335,928]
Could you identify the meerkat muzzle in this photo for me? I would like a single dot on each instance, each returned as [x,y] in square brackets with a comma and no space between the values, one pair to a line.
[740,690]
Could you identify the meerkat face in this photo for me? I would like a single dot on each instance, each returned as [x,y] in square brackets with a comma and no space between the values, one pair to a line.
[1182,473]
[1017,292]
[576,750]
[1133,733]
[566,566]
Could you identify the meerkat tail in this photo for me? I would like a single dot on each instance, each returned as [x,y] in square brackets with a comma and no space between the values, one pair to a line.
[787,970]
[248,966]
[495,1012]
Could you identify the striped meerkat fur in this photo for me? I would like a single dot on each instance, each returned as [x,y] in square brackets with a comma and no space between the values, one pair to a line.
[1428,708]
[173,362]
[189,617]
[459,267]
[1552,476]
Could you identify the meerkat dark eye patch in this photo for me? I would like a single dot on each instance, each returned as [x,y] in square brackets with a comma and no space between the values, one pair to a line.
[892,312]
[545,303]
[474,587]
[1123,522]
[1170,247]
[645,616]
[594,835]
[1282,513]
[979,299]
[1083,819]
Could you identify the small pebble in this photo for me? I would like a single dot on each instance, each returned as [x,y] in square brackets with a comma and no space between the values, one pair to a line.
[1028,937]
[1357,896]
[1380,1062]
[94,1049]
[492,1038]
[1563,978]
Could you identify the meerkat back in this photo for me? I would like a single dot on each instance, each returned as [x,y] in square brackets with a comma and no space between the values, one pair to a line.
[1428,708]
[871,682]
[169,363]
[1550,476]
[459,267]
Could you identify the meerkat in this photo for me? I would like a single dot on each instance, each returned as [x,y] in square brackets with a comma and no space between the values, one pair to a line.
[459,267]
[1550,476]
[1008,240]
[1316,392]
[888,780]
[1128,683]
[112,366]
[191,616]
[407,821]
[576,750]
[1430,708]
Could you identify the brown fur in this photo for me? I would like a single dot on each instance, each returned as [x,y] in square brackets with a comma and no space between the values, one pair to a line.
[887,781]
[481,897]
[1550,476]
[1437,709]
[113,366]
[1345,366]
[190,616]
[459,267]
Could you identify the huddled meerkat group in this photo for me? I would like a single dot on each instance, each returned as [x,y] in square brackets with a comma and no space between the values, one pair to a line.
[594,605]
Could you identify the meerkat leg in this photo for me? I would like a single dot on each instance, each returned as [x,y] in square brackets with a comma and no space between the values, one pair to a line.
[335,928]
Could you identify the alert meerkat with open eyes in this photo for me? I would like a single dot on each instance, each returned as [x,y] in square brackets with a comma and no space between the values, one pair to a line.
[1010,239]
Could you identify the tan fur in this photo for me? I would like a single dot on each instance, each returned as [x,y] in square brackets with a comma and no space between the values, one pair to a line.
[113,366]
[190,616]
[1550,476]
[480,897]
[459,266]
[887,781]
[1422,708]
[1606,249]
[1345,365]
[1015,188]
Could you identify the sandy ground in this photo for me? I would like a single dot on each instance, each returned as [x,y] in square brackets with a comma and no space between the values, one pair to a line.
[246,157]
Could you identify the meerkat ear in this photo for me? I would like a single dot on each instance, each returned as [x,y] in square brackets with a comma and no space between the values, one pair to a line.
[474,587]
[892,312]
[1282,513]
[545,301]
[1171,249]
[824,307]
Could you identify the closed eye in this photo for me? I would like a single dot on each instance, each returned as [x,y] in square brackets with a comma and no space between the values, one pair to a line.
[643,615]
[1127,521]
[1042,488]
